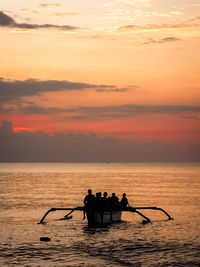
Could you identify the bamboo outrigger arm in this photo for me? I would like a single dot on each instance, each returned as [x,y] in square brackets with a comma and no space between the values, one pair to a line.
[54,209]
[147,219]
[135,209]
[130,209]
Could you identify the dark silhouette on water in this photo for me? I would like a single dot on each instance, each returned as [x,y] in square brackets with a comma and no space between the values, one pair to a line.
[89,198]
[104,210]
[45,239]
[105,201]
[124,201]
[88,201]
[114,199]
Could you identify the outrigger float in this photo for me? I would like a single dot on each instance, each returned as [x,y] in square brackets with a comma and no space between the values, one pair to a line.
[101,217]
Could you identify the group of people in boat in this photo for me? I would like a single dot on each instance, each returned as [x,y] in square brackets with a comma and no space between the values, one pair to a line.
[104,202]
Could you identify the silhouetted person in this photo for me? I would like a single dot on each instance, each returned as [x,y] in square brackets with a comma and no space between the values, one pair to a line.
[124,201]
[114,201]
[88,201]
[114,198]
[105,196]
[98,200]
[105,201]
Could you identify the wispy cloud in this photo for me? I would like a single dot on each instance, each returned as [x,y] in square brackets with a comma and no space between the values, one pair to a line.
[7,21]
[151,27]
[63,14]
[26,9]
[50,5]
[133,3]
[129,110]
[36,109]
[162,41]
[98,113]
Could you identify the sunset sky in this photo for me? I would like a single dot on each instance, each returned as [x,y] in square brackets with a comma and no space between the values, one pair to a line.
[128,70]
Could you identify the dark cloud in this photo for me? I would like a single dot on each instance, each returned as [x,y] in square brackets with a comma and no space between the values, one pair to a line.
[35,109]
[170,39]
[113,89]
[14,90]
[60,147]
[129,110]
[43,26]
[6,127]
[98,113]
[7,21]
[161,41]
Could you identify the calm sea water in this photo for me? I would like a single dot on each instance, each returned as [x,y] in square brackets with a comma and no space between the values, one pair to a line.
[28,190]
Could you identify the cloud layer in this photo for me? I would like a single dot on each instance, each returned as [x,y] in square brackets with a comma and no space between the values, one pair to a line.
[89,113]
[12,100]
[39,146]
[7,21]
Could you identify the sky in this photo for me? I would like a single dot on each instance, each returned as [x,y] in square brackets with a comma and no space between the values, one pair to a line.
[120,74]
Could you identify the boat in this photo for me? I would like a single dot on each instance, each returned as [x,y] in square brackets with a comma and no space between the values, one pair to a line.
[102,218]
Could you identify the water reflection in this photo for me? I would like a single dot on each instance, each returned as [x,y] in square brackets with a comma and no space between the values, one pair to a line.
[27,195]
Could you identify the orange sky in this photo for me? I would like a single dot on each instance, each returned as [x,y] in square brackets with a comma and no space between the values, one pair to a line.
[133,68]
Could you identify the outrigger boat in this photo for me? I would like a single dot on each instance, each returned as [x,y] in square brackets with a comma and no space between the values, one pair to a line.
[101,217]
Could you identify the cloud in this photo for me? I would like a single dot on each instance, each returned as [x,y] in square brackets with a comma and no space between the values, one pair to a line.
[132,3]
[6,127]
[98,113]
[11,91]
[7,21]
[62,14]
[114,89]
[14,89]
[33,11]
[129,110]
[162,41]
[36,109]
[190,117]
[152,27]
[195,19]
[61,147]
[50,5]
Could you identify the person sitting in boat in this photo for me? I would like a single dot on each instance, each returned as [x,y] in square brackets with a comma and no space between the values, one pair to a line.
[98,201]
[105,201]
[124,202]
[105,196]
[89,201]
[114,198]
[114,201]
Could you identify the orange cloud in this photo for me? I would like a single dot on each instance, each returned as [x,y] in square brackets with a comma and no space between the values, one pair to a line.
[62,14]
[153,27]
[50,5]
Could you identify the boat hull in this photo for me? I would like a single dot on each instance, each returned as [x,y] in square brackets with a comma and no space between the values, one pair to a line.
[103,217]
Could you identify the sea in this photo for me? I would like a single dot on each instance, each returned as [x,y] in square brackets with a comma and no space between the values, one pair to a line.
[29,190]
